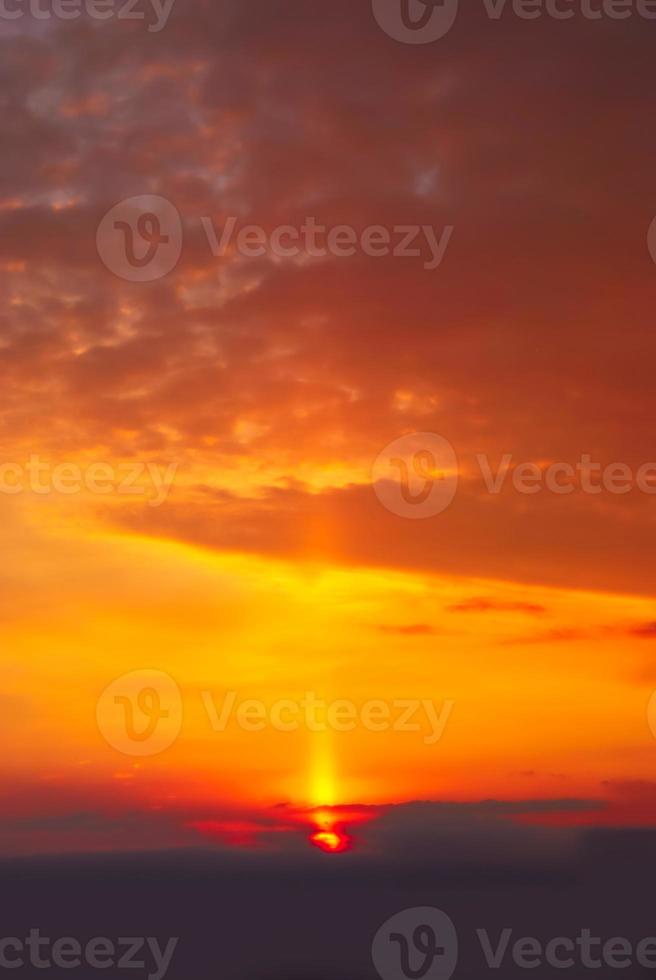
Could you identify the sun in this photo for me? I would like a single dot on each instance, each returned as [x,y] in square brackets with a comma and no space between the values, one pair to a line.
[327,834]
[331,841]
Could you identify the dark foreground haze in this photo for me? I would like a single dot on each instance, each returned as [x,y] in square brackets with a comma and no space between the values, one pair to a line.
[257,918]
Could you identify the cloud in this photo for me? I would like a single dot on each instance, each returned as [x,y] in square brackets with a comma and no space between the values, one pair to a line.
[413,629]
[643,631]
[553,636]
[347,525]
[256,372]
[483,605]
[628,803]
[450,833]
[646,631]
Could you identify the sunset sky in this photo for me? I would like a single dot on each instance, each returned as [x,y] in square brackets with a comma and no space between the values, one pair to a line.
[272,385]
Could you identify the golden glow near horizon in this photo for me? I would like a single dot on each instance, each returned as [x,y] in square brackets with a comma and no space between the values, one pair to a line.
[558,708]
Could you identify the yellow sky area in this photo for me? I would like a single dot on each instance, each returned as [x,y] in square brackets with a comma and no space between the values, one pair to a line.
[542,703]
